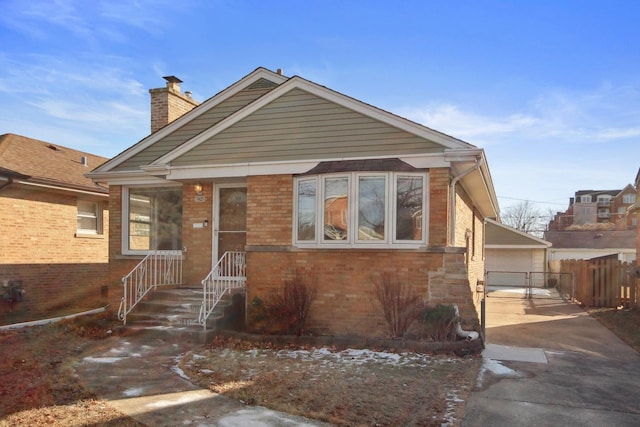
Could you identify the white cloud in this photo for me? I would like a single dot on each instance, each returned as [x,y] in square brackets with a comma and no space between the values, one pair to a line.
[604,114]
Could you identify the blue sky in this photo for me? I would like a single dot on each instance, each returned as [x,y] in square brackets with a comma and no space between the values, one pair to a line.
[550,89]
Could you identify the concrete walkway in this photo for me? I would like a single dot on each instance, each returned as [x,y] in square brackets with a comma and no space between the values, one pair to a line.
[548,363]
[139,376]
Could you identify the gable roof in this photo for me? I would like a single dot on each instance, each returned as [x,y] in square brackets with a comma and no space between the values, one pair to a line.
[35,162]
[258,78]
[499,235]
[592,239]
[267,123]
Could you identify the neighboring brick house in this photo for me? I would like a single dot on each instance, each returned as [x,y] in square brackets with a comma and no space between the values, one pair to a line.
[53,227]
[609,208]
[271,166]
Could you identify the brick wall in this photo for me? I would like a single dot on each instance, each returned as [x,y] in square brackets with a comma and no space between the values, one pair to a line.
[197,258]
[167,105]
[40,247]
[439,180]
[345,304]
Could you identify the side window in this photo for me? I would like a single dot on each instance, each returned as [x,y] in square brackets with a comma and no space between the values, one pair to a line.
[89,217]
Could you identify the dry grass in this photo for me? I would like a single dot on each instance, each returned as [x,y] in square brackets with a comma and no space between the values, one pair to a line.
[624,323]
[39,386]
[38,383]
[343,388]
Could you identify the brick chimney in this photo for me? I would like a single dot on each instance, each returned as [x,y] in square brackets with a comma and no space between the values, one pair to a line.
[168,104]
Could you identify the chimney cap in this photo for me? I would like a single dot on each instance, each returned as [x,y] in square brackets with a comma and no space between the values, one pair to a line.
[172,79]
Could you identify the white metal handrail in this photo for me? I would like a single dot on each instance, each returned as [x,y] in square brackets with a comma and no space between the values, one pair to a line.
[229,273]
[157,268]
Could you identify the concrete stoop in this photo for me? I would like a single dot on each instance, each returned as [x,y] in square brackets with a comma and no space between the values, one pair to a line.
[172,313]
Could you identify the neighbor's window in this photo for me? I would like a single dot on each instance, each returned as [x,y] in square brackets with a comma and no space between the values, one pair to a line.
[360,209]
[89,217]
[154,218]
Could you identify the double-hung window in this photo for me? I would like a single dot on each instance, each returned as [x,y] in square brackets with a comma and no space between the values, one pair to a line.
[361,209]
[153,219]
[89,217]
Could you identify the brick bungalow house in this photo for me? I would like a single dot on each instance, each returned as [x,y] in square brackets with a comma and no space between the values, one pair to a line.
[53,228]
[287,175]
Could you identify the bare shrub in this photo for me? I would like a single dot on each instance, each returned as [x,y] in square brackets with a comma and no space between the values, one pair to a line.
[438,323]
[288,307]
[400,305]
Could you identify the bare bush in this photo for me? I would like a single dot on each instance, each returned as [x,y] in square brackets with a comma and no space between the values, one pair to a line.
[400,305]
[289,306]
[438,323]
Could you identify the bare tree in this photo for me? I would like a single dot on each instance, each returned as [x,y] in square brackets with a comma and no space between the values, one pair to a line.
[526,218]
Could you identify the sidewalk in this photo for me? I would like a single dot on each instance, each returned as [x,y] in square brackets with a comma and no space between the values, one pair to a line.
[138,375]
[548,363]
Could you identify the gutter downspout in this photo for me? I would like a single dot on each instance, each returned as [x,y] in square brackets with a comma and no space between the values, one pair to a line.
[467,335]
[452,197]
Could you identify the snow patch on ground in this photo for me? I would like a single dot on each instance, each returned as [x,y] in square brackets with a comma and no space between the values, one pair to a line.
[497,369]
[103,359]
[452,402]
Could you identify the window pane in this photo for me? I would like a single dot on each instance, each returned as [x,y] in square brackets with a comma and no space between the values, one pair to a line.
[233,209]
[371,203]
[336,205]
[155,218]
[409,208]
[307,210]
[87,216]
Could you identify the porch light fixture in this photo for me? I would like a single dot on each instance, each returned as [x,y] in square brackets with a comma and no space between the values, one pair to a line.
[198,189]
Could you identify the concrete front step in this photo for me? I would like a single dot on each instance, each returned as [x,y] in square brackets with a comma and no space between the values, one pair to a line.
[174,312]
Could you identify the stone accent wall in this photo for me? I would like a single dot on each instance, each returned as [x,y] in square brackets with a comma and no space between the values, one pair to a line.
[39,246]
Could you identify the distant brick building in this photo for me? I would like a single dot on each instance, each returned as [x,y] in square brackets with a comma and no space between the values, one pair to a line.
[54,224]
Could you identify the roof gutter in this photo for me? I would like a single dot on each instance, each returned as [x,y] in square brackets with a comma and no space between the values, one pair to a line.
[8,182]
[452,197]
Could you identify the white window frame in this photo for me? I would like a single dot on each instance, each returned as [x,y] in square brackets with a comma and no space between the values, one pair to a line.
[97,215]
[124,241]
[587,198]
[629,198]
[352,240]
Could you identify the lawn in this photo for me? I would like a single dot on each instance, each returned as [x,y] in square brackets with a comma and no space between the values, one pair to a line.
[39,384]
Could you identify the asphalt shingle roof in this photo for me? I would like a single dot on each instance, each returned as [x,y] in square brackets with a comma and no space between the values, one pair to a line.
[45,163]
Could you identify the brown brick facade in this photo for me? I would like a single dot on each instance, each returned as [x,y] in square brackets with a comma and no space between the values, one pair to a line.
[439,274]
[40,247]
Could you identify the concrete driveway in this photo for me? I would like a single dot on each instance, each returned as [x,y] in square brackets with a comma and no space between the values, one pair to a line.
[548,363]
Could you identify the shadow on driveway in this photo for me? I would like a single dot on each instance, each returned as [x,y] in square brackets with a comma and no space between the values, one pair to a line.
[591,377]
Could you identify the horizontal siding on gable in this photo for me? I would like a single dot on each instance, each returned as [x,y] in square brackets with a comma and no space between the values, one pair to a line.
[301,126]
[194,127]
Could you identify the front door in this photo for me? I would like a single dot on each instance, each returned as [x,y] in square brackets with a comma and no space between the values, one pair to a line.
[231,219]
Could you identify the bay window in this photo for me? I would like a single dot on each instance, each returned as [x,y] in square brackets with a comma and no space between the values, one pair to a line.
[153,219]
[361,209]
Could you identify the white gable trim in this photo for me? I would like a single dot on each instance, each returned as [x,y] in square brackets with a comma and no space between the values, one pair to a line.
[225,94]
[322,92]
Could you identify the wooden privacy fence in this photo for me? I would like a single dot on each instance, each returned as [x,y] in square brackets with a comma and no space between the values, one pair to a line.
[602,282]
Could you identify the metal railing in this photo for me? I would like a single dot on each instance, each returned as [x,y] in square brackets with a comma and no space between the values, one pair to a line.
[229,273]
[157,268]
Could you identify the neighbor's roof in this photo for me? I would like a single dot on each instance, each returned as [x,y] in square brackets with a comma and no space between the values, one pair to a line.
[592,239]
[499,235]
[38,162]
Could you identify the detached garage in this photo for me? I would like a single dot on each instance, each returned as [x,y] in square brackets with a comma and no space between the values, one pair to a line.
[511,250]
